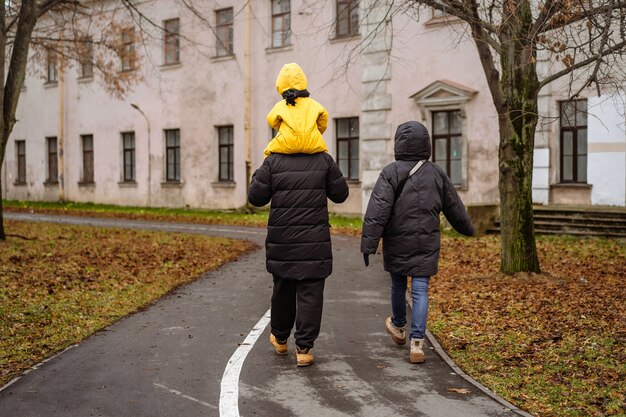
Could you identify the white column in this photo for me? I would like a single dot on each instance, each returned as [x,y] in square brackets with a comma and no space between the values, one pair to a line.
[375,129]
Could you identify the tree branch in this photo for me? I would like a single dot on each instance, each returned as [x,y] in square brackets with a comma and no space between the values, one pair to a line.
[603,43]
[550,24]
[460,10]
[17,66]
[615,48]
[549,9]
[485,55]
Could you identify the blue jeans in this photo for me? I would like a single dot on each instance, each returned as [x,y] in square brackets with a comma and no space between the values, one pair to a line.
[419,293]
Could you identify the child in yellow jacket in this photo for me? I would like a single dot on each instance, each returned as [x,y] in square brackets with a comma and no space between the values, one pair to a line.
[299,120]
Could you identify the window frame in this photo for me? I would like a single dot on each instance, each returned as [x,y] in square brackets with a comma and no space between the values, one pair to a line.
[88,174]
[127,50]
[223,49]
[350,5]
[171,42]
[285,34]
[129,168]
[175,163]
[52,174]
[350,139]
[574,129]
[229,145]
[52,67]
[20,158]
[85,68]
[448,138]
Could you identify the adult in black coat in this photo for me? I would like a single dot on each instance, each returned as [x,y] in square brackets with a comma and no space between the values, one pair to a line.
[298,247]
[407,219]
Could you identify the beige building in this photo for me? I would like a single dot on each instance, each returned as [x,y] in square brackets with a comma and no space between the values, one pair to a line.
[183,136]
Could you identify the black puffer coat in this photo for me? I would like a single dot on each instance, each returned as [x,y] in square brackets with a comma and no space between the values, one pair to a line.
[298,234]
[410,228]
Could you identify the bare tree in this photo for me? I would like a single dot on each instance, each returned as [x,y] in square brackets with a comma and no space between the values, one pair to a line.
[64,33]
[516,40]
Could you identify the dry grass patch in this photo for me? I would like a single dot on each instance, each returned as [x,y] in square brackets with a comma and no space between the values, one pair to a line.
[70,281]
[553,344]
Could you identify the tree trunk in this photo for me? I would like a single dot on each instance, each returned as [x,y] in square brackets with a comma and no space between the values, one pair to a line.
[517,121]
[3,235]
[15,78]
[518,249]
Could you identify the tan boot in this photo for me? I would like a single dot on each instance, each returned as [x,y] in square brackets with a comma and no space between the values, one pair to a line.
[397,333]
[281,348]
[304,357]
[417,351]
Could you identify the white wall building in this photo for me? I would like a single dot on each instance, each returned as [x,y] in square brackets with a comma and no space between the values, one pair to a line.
[199,113]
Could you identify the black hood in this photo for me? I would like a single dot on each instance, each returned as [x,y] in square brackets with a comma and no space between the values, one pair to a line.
[412,142]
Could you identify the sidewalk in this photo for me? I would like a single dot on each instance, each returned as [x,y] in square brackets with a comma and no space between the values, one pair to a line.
[169,359]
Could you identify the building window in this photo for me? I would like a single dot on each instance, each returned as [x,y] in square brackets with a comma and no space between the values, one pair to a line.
[127,50]
[574,141]
[87,141]
[448,143]
[347,18]
[172,155]
[52,67]
[281,23]
[20,147]
[128,145]
[171,41]
[348,146]
[53,166]
[86,59]
[224,32]
[226,158]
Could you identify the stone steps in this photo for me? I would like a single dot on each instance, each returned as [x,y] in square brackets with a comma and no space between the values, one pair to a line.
[577,221]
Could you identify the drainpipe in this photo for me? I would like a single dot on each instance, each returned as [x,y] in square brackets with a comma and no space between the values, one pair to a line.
[136,107]
[61,134]
[247,75]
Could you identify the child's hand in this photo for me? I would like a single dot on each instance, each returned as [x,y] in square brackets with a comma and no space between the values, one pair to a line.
[366,259]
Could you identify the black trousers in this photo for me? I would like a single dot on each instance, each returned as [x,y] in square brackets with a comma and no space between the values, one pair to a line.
[298,301]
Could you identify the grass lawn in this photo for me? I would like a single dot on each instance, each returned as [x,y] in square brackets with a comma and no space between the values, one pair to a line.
[254,217]
[71,281]
[553,344]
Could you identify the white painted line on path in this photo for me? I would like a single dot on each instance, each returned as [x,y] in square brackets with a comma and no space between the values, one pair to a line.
[173,391]
[229,393]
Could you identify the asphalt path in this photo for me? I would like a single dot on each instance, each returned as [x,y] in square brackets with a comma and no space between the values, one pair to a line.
[170,359]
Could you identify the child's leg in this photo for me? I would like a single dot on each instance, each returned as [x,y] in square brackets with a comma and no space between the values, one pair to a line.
[283,312]
[419,291]
[398,300]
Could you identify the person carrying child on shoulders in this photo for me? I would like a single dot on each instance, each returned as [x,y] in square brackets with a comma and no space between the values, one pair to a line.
[298,176]
[404,210]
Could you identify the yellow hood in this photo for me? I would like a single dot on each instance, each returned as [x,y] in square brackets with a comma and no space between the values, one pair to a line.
[290,77]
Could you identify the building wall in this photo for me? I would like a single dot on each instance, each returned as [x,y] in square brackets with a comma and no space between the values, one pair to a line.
[376,77]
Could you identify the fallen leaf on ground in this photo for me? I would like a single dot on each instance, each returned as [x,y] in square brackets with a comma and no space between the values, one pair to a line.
[459,390]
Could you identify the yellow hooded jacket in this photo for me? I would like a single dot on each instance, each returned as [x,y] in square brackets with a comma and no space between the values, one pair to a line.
[299,127]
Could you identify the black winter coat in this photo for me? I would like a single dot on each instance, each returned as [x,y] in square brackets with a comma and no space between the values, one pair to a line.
[410,228]
[298,234]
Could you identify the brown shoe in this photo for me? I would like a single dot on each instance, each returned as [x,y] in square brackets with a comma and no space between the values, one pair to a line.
[281,348]
[397,333]
[417,351]
[304,357]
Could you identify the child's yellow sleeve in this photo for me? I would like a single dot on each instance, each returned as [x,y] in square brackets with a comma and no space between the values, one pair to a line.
[273,117]
[322,120]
